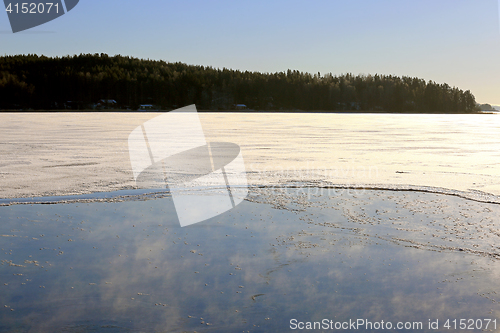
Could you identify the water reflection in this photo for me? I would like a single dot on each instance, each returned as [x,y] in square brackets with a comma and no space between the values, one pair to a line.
[282,254]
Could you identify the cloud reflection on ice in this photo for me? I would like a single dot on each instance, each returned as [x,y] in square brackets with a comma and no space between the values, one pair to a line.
[377,255]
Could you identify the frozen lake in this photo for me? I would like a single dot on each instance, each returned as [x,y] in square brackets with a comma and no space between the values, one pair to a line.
[282,255]
[74,153]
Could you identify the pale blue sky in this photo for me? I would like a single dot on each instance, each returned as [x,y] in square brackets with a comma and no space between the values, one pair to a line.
[452,41]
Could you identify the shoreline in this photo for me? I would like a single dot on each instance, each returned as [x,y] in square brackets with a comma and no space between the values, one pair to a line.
[249,111]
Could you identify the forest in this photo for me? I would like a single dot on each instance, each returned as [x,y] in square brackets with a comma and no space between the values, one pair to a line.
[33,82]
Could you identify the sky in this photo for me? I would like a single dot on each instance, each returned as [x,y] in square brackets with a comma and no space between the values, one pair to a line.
[446,41]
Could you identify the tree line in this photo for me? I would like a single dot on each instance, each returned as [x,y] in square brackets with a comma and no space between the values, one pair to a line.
[40,82]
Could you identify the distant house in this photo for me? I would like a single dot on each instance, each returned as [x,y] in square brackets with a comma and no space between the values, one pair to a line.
[107,101]
[106,104]
[147,107]
[240,107]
